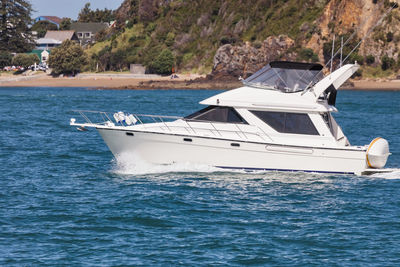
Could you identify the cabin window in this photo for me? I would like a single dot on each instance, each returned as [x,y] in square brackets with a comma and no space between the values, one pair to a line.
[283,122]
[217,114]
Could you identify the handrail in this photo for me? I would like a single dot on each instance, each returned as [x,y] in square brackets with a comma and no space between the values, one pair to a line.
[106,120]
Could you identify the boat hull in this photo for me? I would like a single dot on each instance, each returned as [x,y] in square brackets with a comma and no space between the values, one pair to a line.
[163,148]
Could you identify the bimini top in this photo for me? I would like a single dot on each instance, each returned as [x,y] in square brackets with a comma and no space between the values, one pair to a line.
[286,76]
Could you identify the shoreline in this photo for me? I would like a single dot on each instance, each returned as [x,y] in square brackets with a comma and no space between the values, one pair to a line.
[152,82]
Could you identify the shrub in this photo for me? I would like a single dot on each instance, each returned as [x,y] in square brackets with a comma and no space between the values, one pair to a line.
[370,59]
[5,59]
[68,58]
[101,36]
[307,54]
[227,40]
[164,62]
[25,60]
[389,36]
[257,44]
[170,39]
[118,60]
[387,62]
[356,57]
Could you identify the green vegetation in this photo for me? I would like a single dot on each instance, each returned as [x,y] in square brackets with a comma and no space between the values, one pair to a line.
[98,15]
[5,59]
[307,54]
[387,62]
[194,30]
[68,58]
[65,24]
[15,18]
[371,72]
[370,59]
[25,60]
[164,62]
[42,27]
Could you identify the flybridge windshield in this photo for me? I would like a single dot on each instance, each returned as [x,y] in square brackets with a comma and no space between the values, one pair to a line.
[288,77]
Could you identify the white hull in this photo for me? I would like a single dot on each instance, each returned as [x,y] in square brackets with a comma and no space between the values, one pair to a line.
[163,148]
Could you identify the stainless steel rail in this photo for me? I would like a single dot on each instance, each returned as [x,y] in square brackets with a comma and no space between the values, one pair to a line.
[104,119]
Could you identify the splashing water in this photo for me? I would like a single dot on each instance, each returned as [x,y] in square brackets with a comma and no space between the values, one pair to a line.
[392,174]
[133,164]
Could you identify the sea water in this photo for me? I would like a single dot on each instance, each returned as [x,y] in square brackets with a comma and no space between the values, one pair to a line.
[65,201]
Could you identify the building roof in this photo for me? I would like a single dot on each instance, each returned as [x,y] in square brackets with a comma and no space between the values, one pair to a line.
[48,41]
[59,35]
[54,19]
[93,27]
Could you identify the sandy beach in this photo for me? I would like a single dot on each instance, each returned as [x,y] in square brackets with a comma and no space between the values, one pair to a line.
[185,81]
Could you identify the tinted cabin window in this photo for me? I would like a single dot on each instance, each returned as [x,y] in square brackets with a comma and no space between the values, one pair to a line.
[283,122]
[217,114]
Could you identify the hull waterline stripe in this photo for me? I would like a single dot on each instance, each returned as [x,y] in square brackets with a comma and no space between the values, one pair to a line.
[281,170]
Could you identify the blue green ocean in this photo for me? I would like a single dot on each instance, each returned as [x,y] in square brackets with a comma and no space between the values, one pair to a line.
[65,201]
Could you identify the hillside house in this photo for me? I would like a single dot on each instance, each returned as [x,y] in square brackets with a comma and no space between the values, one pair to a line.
[86,32]
[55,38]
[52,19]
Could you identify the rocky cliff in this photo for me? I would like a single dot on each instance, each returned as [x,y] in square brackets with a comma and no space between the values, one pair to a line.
[246,59]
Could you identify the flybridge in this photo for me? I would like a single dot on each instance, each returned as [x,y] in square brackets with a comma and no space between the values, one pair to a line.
[285,76]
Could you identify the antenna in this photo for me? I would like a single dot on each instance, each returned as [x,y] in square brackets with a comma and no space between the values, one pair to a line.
[341,52]
[333,50]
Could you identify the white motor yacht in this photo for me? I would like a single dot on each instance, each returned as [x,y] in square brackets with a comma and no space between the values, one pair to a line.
[279,120]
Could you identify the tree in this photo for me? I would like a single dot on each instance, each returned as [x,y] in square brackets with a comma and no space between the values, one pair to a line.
[370,59]
[118,59]
[15,18]
[164,62]
[41,27]
[25,60]
[68,58]
[5,59]
[387,62]
[65,24]
[98,15]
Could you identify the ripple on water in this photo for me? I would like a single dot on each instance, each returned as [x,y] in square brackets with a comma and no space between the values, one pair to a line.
[64,201]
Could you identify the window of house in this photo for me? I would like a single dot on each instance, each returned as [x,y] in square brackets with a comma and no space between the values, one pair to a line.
[87,34]
[284,122]
[217,114]
[80,35]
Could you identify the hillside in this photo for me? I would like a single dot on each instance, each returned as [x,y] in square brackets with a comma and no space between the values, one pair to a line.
[202,34]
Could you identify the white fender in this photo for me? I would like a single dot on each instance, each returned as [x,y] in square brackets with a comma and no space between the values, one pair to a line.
[377,153]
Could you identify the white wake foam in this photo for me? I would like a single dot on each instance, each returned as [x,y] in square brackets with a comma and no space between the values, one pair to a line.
[131,164]
[134,165]
[393,174]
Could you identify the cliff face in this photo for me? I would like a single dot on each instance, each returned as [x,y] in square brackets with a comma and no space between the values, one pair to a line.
[344,16]
[245,60]
[237,37]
